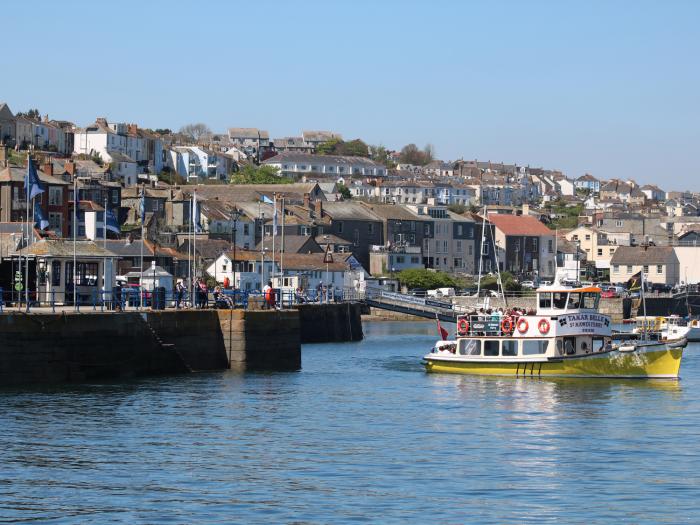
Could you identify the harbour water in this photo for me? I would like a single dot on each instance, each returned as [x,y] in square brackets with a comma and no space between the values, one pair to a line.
[360,435]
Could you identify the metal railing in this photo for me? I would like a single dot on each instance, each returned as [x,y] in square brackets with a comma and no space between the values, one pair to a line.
[127,299]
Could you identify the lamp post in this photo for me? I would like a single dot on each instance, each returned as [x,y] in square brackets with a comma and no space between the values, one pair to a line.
[234,217]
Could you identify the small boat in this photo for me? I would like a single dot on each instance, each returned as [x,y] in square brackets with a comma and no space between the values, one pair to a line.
[566,337]
[668,327]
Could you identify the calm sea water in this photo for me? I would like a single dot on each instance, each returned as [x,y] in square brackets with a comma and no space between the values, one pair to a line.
[360,435]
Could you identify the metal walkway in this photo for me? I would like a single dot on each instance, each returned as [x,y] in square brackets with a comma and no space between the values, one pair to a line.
[420,307]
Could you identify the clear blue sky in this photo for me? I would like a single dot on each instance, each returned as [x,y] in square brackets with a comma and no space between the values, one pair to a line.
[607,87]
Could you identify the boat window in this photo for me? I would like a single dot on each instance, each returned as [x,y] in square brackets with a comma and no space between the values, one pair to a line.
[537,346]
[560,347]
[469,347]
[559,300]
[545,300]
[569,345]
[509,348]
[574,300]
[490,348]
[590,300]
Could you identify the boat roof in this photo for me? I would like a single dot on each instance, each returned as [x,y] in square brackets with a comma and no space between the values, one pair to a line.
[555,288]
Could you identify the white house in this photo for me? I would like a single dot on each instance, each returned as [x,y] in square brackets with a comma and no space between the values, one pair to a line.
[298,164]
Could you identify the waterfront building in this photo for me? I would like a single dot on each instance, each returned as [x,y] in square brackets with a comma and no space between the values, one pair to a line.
[659,264]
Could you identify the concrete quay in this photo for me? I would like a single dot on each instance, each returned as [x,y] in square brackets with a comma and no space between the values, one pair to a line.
[66,346]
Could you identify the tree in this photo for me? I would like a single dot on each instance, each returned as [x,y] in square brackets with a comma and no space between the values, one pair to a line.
[381,155]
[163,131]
[457,208]
[421,278]
[250,174]
[410,154]
[344,191]
[32,114]
[194,132]
[352,148]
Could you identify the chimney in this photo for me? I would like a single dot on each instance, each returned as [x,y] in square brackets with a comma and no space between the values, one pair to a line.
[526,209]
[47,168]
[101,120]
[307,200]
[70,168]
[132,129]
[318,208]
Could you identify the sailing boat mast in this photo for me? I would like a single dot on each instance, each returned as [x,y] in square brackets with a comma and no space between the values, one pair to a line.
[481,251]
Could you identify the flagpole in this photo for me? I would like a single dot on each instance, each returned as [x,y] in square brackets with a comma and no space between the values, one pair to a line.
[282,247]
[143,240]
[75,251]
[26,266]
[274,231]
[194,238]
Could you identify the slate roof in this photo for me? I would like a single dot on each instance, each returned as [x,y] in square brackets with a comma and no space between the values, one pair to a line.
[64,248]
[348,210]
[294,157]
[636,255]
[14,174]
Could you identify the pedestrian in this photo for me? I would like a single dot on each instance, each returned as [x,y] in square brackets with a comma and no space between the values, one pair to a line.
[179,293]
[267,295]
[203,294]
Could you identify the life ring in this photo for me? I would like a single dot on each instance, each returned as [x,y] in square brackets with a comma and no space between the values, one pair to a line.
[507,325]
[543,326]
[522,325]
[462,326]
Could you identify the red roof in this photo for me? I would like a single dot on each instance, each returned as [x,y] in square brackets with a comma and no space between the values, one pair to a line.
[519,225]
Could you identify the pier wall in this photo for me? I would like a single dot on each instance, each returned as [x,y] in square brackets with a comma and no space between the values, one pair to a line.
[330,323]
[55,348]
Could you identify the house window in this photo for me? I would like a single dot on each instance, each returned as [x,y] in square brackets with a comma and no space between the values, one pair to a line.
[616,268]
[469,249]
[629,268]
[659,269]
[55,220]
[223,267]
[612,251]
[600,251]
[55,196]
[246,229]
[115,197]
[56,273]
[459,246]
[340,226]
[588,237]
[550,246]
[459,229]
[575,237]
[415,260]
[646,268]
[370,228]
[618,224]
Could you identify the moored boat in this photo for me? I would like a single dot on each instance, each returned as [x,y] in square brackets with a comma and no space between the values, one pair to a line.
[566,337]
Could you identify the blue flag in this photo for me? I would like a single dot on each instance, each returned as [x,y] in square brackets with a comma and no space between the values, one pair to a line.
[32,185]
[111,222]
[267,200]
[143,206]
[196,214]
[39,219]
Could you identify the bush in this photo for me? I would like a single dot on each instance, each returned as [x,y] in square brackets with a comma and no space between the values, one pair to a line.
[420,278]
[490,282]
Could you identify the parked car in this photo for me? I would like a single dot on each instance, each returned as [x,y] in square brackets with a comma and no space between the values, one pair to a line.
[528,285]
[418,292]
[609,293]
[661,288]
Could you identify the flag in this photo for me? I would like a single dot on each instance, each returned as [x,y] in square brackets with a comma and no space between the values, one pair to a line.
[267,200]
[39,218]
[443,333]
[143,206]
[111,222]
[274,218]
[635,282]
[32,185]
[196,214]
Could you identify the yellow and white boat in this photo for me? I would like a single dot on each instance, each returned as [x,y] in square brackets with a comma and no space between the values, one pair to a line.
[567,337]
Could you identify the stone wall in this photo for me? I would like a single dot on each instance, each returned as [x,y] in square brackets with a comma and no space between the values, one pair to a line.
[330,323]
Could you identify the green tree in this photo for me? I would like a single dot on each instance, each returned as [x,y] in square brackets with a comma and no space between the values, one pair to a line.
[381,155]
[31,114]
[457,208]
[352,148]
[250,174]
[329,147]
[490,282]
[344,192]
[421,278]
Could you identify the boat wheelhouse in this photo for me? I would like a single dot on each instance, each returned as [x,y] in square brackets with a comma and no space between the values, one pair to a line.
[567,336]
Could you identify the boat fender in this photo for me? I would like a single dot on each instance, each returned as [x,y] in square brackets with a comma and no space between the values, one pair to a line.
[543,326]
[522,325]
[463,326]
[507,325]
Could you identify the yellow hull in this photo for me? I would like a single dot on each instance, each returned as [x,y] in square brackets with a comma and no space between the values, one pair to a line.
[661,363]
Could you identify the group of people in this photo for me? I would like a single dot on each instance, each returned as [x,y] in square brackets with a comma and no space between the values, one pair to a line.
[201,293]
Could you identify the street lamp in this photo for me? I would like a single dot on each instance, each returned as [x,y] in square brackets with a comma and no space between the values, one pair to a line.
[234,217]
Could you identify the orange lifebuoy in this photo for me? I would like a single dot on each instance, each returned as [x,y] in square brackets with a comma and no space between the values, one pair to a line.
[543,326]
[507,325]
[522,325]
[462,326]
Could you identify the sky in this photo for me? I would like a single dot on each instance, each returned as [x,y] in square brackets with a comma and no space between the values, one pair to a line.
[610,88]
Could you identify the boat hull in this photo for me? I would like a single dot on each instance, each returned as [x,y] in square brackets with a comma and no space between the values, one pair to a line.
[656,361]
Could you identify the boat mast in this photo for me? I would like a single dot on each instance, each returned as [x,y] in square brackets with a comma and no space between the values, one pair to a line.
[481,251]
[644,303]
[498,267]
